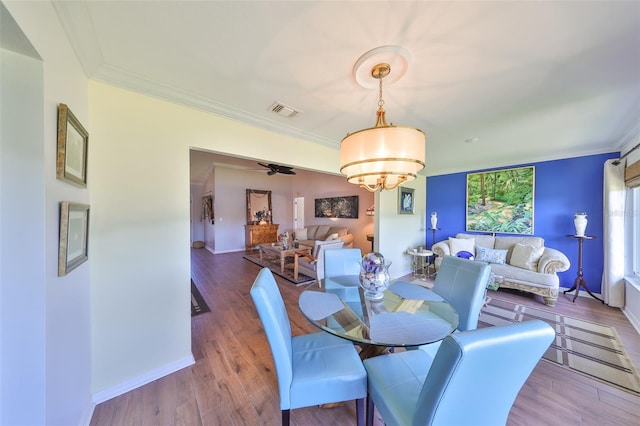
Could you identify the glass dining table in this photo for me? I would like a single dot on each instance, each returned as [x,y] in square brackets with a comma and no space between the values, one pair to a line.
[409,315]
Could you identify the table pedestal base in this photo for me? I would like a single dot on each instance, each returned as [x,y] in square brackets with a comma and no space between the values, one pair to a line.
[580,282]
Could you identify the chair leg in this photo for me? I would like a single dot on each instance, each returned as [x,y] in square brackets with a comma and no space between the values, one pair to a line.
[285,417]
[369,411]
[360,412]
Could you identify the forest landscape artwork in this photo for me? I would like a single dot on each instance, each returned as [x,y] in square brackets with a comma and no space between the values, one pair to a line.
[501,201]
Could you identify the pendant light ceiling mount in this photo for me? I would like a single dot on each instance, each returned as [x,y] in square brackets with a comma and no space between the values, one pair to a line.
[383,156]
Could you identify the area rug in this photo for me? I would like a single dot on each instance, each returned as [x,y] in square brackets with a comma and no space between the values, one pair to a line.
[274,265]
[198,305]
[592,349]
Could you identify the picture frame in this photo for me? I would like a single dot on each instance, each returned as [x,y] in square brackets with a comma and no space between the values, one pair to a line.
[74,236]
[337,207]
[406,200]
[73,141]
[501,201]
[207,209]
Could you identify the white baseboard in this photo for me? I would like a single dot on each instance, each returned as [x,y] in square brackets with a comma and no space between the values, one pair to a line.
[635,321]
[582,293]
[227,251]
[141,380]
[632,302]
[88,414]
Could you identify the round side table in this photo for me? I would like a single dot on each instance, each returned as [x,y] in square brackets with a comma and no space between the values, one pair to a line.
[419,262]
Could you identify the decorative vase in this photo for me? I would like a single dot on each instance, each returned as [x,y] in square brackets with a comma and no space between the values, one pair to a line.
[434,220]
[580,222]
[374,276]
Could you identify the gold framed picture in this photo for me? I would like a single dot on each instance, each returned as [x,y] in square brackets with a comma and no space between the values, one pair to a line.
[73,141]
[74,236]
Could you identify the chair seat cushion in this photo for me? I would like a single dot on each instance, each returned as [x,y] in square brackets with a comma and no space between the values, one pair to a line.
[396,381]
[326,369]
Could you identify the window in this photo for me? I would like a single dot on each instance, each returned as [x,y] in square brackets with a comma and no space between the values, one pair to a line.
[634,214]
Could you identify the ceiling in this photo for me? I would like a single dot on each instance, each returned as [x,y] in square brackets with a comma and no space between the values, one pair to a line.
[491,83]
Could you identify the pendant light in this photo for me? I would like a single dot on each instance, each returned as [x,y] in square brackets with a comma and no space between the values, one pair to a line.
[384,156]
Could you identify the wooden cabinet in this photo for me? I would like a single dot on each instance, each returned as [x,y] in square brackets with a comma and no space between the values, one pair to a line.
[259,234]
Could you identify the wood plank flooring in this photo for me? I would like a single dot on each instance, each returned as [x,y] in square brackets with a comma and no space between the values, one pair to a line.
[233,381]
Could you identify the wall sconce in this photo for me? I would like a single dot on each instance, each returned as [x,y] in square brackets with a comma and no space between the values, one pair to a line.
[371,211]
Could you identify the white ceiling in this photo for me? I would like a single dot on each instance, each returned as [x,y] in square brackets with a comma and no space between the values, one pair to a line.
[532,81]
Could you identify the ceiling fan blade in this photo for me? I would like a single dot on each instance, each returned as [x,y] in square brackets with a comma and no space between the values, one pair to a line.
[271,172]
[287,172]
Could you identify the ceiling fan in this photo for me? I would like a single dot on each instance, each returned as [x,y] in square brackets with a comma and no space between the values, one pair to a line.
[276,168]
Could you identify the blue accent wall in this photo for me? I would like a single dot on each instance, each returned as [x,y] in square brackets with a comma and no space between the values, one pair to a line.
[562,187]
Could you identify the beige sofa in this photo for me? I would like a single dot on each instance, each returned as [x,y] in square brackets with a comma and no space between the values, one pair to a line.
[309,235]
[518,262]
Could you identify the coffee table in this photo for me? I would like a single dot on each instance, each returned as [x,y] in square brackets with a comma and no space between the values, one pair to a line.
[277,250]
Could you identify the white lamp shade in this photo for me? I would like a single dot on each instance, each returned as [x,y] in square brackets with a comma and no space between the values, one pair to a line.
[394,152]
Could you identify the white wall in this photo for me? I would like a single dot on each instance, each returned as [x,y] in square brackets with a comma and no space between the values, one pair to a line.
[141,322]
[50,314]
[22,291]
[140,226]
[398,232]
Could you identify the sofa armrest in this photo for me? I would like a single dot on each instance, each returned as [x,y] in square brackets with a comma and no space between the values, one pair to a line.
[553,261]
[441,248]
[347,239]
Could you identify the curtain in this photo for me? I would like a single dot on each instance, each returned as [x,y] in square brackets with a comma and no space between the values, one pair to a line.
[613,224]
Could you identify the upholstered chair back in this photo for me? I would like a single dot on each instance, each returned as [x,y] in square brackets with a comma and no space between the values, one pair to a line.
[474,378]
[463,284]
[275,320]
[344,262]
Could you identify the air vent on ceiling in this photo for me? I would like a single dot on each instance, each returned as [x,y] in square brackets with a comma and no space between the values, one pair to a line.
[284,110]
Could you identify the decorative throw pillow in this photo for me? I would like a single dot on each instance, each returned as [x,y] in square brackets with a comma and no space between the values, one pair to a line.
[526,257]
[484,254]
[457,245]
[301,234]
[331,237]
[465,255]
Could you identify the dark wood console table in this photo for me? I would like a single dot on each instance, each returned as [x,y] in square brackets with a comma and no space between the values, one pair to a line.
[580,282]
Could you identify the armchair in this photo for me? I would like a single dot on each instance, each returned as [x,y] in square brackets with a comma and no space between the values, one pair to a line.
[312,369]
[313,265]
[458,386]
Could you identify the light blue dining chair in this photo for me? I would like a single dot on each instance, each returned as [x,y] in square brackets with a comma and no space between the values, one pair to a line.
[312,369]
[474,378]
[463,284]
[342,273]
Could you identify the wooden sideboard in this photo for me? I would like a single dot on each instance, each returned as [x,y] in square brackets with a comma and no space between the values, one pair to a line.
[259,234]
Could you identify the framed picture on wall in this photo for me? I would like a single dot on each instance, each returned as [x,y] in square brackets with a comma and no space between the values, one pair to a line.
[406,202]
[74,236]
[501,201]
[71,157]
[337,207]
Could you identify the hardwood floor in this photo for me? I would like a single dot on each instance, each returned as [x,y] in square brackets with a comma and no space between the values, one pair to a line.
[233,381]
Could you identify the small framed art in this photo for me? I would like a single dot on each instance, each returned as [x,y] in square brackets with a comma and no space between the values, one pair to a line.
[74,236]
[406,203]
[73,140]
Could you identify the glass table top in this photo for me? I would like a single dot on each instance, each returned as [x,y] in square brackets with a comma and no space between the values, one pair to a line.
[408,314]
